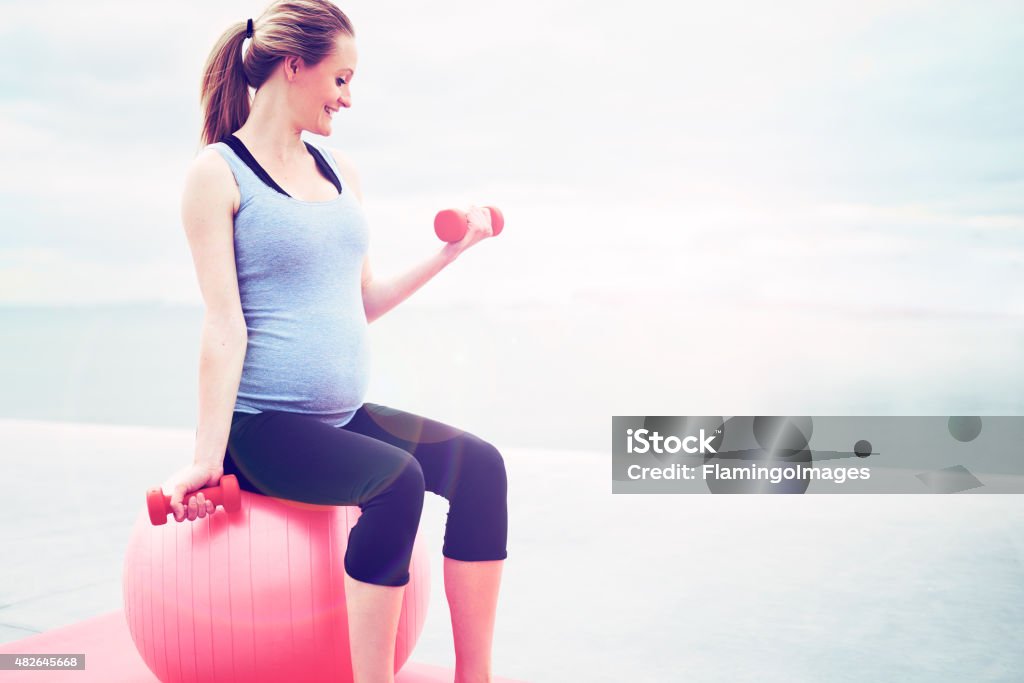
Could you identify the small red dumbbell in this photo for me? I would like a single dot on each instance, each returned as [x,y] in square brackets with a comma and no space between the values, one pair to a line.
[450,224]
[226,494]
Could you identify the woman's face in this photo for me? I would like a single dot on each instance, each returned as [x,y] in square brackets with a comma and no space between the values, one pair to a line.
[324,89]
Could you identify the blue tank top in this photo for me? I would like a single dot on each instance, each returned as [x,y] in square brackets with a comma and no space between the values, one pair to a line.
[299,269]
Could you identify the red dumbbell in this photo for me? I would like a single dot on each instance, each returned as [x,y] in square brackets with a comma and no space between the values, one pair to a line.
[226,494]
[450,224]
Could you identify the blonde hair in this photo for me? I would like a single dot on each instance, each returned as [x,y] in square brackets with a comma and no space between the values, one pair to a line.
[305,28]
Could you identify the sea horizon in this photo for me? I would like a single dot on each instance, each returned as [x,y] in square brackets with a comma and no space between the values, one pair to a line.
[531,375]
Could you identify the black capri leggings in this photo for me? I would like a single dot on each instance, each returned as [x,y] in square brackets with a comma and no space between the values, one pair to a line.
[382,460]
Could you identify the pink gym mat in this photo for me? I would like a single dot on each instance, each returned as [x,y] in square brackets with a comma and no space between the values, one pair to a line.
[110,656]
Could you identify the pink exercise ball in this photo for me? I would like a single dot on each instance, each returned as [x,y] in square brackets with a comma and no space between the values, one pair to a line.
[254,595]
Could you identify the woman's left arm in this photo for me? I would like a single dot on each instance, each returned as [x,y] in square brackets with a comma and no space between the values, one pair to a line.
[380,296]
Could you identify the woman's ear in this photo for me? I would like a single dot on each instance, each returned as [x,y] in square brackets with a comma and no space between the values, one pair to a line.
[292,65]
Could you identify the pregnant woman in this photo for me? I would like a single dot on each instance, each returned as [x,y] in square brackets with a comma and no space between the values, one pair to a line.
[279,241]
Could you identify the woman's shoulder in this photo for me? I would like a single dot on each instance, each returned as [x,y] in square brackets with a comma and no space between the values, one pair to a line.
[211,158]
[349,174]
[210,173]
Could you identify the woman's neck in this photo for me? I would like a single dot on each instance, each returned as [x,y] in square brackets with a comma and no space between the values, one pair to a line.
[270,130]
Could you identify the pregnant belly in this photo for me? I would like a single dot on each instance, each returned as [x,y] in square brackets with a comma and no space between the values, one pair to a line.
[314,373]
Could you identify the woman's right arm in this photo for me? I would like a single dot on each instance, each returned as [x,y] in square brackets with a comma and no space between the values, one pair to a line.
[207,211]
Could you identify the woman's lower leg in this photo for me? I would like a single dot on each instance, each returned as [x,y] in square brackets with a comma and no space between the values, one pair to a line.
[373,614]
[472,591]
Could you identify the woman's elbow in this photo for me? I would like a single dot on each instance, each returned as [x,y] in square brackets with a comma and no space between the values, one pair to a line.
[228,329]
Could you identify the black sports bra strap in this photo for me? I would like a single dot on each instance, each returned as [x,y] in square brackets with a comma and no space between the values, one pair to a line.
[325,168]
[243,153]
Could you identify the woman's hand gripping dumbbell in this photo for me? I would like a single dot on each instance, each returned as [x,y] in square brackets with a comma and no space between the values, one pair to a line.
[226,493]
[451,225]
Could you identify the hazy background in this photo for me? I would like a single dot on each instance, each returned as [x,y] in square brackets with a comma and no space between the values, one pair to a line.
[810,207]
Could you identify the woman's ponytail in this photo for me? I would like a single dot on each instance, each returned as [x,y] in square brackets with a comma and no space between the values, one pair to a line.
[224,93]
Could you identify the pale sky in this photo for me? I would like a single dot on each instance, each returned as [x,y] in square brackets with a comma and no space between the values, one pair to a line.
[626,144]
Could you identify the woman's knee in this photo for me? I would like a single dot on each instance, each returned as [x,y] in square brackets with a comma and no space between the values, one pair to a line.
[486,466]
[403,478]
[410,476]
